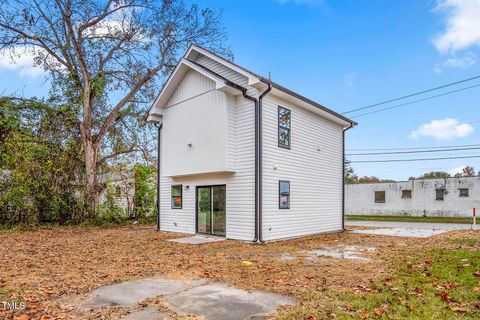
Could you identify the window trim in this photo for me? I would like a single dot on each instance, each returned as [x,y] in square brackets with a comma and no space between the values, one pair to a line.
[375,196]
[460,193]
[410,192]
[181,196]
[280,194]
[289,129]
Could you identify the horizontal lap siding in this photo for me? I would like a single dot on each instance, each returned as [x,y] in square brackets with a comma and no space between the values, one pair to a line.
[241,194]
[315,176]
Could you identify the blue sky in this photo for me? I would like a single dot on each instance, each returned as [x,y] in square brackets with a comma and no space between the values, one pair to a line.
[347,54]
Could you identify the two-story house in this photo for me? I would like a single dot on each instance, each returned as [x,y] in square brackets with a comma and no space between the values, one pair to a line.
[243,157]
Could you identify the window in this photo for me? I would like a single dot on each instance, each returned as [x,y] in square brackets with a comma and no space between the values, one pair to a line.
[177,197]
[379,196]
[406,194]
[284,127]
[463,192]
[284,195]
[440,194]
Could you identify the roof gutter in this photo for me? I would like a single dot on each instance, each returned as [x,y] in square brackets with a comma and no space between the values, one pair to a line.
[352,124]
[159,127]
[260,162]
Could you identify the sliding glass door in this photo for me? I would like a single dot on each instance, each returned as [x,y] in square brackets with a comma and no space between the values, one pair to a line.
[211,210]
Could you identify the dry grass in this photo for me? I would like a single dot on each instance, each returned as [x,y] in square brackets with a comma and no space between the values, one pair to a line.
[39,267]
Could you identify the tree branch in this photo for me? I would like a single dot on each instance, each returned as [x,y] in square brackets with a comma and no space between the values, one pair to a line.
[106,124]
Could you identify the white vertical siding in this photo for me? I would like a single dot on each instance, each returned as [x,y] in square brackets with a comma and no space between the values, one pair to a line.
[198,117]
[313,166]
[238,149]
[193,84]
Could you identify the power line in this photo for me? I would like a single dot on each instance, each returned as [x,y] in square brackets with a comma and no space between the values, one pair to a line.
[412,95]
[405,152]
[415,101]
[419,159]
[419,148]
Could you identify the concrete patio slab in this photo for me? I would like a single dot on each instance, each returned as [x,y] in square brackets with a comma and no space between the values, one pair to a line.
[402,232]
[205,300]
[198,239]
[132,292]
[220,302]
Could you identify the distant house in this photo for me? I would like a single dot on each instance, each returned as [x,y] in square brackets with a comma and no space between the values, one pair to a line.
[448,197]
[121,185]
[243,157]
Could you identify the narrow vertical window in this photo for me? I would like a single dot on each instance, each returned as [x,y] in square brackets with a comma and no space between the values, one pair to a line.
[284,127]
[284,195]
[177,200]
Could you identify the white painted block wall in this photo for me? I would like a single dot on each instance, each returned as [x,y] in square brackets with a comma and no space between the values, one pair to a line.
[360,198]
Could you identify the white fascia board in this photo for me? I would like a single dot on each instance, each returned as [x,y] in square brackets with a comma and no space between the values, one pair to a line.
[252,78]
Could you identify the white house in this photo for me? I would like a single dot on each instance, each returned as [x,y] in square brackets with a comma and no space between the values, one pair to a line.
[447,197]
[243,157]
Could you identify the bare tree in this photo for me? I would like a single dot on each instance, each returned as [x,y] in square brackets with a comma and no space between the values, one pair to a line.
[108,57]
[468,171]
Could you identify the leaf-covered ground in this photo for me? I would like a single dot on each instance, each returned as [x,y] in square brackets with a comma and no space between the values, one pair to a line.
[436,277]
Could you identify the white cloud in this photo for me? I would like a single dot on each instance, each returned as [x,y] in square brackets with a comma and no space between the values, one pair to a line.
[21,60]
[311,3]
[456,170]
[463,62]
[445,129]
[462,25]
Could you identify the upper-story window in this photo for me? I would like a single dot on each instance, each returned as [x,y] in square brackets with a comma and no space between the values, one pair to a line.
[284,127]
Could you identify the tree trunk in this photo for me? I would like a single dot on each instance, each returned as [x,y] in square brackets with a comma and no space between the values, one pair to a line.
[91,186]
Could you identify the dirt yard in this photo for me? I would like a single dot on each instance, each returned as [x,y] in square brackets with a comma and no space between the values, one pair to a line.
[46,267]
